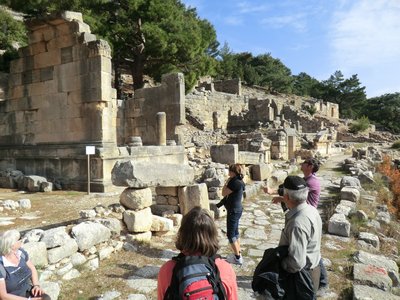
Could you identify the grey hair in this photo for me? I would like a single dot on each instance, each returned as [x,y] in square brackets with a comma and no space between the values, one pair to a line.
[7,240]
[299,196]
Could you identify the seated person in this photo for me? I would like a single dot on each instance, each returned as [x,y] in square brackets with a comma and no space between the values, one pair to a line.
[18,275]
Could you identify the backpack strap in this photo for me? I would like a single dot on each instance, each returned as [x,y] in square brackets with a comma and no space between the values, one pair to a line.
[172,292]
[217,286]
[2,269]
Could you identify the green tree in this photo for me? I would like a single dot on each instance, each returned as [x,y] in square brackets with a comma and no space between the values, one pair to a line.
[274,75]
[384,110]
[226,63]
[348,93]
[12,34]
[305,85]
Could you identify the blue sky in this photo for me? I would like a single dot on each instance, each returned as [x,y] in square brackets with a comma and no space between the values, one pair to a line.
[315,36]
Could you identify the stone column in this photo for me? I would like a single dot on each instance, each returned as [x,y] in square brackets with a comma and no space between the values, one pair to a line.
[161,129]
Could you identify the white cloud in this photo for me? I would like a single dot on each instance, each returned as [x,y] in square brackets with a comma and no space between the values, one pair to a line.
[245,7]
[297,21]
[366,34]
[232,20]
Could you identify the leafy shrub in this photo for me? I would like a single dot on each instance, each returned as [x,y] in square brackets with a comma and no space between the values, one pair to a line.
[396,145]
[360,125]
[310,109]
[393,174]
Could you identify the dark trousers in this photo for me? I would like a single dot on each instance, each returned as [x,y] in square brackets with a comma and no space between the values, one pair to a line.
[315,276]
[323,281]
[232,225]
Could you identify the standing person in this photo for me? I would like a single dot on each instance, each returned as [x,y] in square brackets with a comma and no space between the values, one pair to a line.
[302,233]
[18,275]
[310,167]
[233,195]
[198,235]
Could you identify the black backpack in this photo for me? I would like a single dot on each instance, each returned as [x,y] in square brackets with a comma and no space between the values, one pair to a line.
[195,277]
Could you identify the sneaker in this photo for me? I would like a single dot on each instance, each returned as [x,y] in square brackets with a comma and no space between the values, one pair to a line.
[323,291]
[235,261]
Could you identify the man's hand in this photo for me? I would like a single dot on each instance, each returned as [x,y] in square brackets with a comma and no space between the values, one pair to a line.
[277,199]
[269,190]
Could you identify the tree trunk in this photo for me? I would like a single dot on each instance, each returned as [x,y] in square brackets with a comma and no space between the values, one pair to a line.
[117,77]
[137,70]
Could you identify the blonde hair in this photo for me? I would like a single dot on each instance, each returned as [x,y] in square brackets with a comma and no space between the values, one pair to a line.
[7,240]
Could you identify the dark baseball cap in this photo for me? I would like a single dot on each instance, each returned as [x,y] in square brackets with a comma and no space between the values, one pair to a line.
[294,183]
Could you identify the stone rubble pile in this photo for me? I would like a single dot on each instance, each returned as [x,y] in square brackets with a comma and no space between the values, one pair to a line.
[14,179]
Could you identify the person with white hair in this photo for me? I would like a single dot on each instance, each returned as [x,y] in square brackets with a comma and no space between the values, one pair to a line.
[302,234]
[18,276]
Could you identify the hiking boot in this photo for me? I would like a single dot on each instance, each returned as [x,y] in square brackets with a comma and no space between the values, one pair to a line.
[235,261]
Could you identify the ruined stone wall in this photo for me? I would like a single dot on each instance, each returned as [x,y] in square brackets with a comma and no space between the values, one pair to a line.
[3,85]
[203,105]
[233,86]
[328,109]
[141,111]
[308,123]
[60,87]
[59,100]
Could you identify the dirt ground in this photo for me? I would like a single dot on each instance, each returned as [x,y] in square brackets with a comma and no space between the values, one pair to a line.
[51,209]
[60,208]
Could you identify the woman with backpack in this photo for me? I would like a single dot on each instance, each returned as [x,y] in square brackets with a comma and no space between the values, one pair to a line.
[197,270]
[18,276]
[233,194]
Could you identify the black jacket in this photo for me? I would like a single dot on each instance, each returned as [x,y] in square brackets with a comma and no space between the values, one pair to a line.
[271,280]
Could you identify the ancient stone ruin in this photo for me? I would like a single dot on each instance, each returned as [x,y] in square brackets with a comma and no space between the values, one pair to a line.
[59,99]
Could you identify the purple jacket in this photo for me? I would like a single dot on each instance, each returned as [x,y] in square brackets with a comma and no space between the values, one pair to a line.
[314,190]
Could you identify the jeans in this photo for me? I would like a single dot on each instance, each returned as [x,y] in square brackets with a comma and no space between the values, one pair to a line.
[323,281]
[232,224]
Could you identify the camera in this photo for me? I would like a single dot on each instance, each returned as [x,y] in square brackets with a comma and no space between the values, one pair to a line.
[280,190]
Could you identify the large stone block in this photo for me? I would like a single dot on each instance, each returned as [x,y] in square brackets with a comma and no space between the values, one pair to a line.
[372,276]
[261,172]
[364,292]
[88,234]
[247,158]
[225,154]
[55,237]
[161,224]
[193,195]
[138,221]
[47,59]
[350,193]
[67,249]
[171,191]
[339,225]
[136,199]
[376,260]
[134,174]
[37,253]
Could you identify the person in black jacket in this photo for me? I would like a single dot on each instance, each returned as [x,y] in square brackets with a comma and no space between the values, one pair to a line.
[233,194]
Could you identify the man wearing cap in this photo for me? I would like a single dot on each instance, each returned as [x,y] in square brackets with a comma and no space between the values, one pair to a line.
[302,233]
[310,167]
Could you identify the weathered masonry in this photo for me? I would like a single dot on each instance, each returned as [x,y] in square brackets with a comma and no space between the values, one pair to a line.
[59,98]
